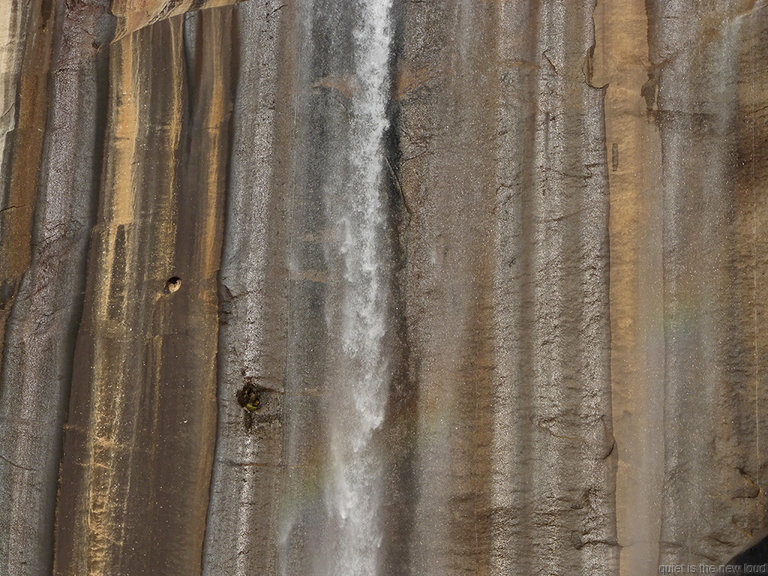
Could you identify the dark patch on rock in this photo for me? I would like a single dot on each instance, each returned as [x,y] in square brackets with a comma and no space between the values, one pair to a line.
[7,290]
[753,558]
[249,396]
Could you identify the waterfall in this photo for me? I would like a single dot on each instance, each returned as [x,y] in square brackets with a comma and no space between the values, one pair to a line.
[358,394]
[354,485]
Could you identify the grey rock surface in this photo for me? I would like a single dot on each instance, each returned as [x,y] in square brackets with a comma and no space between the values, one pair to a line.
[566,351]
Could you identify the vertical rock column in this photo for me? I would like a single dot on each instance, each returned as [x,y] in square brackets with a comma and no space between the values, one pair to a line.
[503,167]
[140,435]
[26,34]
[448,90]
[50,189]
[554,473]
[14,17]
[243,514]
[318,121]
[709,99]
[621,64]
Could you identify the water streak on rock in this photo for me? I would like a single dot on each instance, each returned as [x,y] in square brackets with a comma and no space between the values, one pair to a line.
[359,396]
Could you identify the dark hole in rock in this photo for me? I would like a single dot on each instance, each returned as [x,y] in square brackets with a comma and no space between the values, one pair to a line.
[249,396]
[249,399]
[172,284]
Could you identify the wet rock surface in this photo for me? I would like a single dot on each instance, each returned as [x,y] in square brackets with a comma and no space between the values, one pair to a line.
[570,220]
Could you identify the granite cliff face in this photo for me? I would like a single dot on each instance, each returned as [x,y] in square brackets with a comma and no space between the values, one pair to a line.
[382,286]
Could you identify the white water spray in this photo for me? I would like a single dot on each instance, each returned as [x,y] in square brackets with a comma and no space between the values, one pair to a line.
[353,487]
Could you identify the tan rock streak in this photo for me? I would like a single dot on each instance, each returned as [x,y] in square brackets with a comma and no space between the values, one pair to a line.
[23,106]
[14,17]
[622,62]
[139,441]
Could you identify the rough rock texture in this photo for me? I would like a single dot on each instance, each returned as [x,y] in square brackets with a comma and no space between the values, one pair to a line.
[253,315]
[141,424]
[576,215]
[686,132]
[714,258]
[47,216]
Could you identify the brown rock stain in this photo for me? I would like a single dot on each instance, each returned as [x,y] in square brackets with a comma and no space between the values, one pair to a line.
[216,126]
[16,215]
[144,386]
[345,85]
[448,328]
[410,79]
[621,60]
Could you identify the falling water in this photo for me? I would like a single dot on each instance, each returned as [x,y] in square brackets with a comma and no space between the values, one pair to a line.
[353,484]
